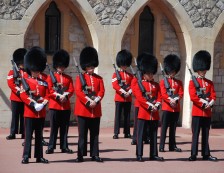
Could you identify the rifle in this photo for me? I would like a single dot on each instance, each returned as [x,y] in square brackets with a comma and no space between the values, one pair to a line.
[56,86]
[91,95]
[199,90]
[120,82]
[16,73]
[26,87]
[169,90]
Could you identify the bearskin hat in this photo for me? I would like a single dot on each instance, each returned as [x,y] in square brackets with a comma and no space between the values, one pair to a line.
[138,60]
[88,58]
[148,63]
[35,60]
[18,56]
[171,63]
[124,58]
[201,61]
[61,59]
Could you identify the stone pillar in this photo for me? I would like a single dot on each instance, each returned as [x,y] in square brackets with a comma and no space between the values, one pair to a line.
[111,40]
[8,45]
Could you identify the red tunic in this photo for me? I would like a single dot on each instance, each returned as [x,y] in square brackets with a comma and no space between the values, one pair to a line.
[65,81]
[126,78]
[134,82]
[14,88]
[177,87]
[43,76]
[153,88]
[197,105]
[39,88]
[95,84]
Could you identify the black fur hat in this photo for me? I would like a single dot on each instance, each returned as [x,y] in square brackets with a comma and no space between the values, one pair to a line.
[35,60]
[138,60]
[61,59]
[201,61]
[18,56]
[171,63]
[124,58]
[88,58]
[148,63]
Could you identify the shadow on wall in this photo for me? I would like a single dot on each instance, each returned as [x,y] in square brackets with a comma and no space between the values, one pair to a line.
[5,99]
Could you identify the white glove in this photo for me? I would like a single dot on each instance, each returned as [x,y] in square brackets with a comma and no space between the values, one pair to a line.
[176,98]
[66,94]
[204,102]
[38,106]
[97,99]
[123,91]
[211,103]
[152,106]
[130,91]
[157,104]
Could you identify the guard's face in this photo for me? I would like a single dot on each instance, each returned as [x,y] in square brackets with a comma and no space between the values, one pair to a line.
[35,74]
[90,70]
[148,76]
[123,67]
[172,74]
[60,69]
[202,73]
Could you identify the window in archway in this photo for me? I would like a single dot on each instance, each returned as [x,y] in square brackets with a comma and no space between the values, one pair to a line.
[146,25]
[52,28]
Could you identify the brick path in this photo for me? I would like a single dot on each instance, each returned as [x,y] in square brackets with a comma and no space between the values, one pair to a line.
[118,155]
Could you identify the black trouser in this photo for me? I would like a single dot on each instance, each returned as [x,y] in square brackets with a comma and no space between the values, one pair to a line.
[43,123]
[126,108]
[153,128]
[146,129]
[93,125]
[33,124]
[197,124]
[17,124]
[59,119]
[169,119]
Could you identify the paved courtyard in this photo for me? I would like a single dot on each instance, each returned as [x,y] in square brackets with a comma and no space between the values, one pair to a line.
[118,155]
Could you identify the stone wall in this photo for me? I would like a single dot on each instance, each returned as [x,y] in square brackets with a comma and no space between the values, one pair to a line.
[32,39]
[218,79]
[14,9]
[203,13]
[111,12]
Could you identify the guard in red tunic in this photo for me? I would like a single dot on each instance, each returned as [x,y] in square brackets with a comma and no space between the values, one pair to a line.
[42,76]
[134,82]
[203,98]
[59,103]
[17,106]
[149,98]
[89,89]
[172,93]
[121,82]
[35,97]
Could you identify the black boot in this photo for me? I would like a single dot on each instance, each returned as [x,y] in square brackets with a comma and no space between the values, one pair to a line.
[192,158]
[41,160]
[140,159]
[97,159]
[210,158]
[11,136]
[49,151]
[25,160]
[115,136]
[79,159]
